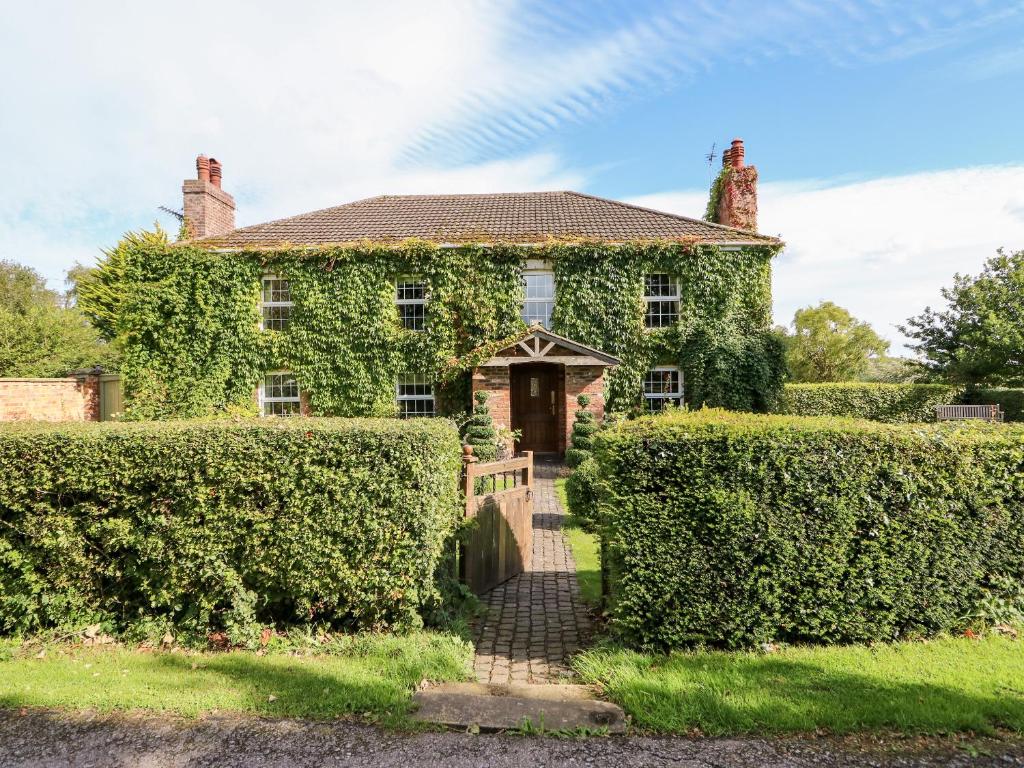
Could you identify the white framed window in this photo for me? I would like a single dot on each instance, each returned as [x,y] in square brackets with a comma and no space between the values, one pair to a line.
[539,297]
[411,298]
[415,396]
[276,303]
[663,386]
[279,394]
[661,292]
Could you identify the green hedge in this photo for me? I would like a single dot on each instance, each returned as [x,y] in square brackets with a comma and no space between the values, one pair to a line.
[732,529]
[1011,400]
[893,403]
[203,526]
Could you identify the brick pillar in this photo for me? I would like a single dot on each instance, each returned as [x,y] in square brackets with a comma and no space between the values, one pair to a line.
[582,380]
[496,381]
[88,384]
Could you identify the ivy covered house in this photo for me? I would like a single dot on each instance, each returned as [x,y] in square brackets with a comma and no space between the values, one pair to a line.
[405,305]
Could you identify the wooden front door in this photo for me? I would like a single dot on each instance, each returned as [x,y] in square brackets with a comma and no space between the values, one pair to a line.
[535,406]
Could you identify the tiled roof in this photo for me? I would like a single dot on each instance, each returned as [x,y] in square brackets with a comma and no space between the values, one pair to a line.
[518,217]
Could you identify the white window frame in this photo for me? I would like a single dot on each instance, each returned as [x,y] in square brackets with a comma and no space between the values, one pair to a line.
[400,302]
[264,399]
[676,396]
[650,299]
[265,304]
[543,300]
[415,379]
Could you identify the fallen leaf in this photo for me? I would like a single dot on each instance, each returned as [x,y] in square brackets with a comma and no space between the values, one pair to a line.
[91,631]
[41,654]
[271,697]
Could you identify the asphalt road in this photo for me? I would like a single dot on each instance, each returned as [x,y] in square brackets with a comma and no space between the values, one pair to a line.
[84,740]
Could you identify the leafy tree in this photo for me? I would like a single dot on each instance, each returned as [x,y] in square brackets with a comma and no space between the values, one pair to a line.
[979,337]
[893,370]
[101,291]
[583,430]
[830,344]
[39,335]
[480,431]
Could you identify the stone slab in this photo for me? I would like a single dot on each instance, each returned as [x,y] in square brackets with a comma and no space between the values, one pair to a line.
[502,712]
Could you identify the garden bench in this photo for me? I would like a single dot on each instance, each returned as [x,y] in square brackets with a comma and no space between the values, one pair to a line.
[964,412]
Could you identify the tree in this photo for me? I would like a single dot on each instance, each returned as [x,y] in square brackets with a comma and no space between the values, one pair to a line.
[979,337]
[830,344]
[480,429]
[583,430]
[39,335]
[100,291]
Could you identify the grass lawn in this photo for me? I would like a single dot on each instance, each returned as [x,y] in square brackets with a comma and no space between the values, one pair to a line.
[585,551]
[370,676]
[943,685]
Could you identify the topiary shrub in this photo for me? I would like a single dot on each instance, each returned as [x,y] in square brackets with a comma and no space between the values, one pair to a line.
[480,432]
[583,430]
[732,529]
[892,403]
[224,526]
[581,493]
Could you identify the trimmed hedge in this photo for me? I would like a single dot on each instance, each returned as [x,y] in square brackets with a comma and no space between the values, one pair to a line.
[1011,400]
[892,403]
[203,526]
[732,529]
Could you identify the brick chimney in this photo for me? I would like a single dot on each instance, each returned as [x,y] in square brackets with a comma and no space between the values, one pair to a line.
[737,203]
[209,210]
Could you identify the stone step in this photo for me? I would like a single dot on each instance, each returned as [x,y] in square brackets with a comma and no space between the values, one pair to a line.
[515,706]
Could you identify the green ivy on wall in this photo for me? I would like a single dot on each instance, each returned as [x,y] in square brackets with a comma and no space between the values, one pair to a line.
[193,346]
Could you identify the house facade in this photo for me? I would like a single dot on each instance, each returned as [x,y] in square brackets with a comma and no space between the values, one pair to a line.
[406,305]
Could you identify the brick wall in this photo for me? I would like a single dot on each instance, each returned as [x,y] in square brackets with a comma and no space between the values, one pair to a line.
[76,398]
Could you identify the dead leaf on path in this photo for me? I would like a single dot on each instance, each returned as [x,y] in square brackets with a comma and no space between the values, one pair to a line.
[271,697]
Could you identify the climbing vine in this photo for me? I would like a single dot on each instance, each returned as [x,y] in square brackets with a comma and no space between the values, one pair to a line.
[717,188]
[193,346]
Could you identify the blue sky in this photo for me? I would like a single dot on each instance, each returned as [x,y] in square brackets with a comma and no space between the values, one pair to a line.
[887,134]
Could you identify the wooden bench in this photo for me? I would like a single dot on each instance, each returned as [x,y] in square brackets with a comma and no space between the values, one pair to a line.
[965,412]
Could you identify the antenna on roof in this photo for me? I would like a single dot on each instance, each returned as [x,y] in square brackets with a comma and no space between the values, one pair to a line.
[710,157]
[176,214]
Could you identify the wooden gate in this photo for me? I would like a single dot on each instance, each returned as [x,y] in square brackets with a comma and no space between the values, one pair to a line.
[499,496]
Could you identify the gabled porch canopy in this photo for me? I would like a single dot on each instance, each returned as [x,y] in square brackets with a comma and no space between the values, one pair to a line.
[539,345]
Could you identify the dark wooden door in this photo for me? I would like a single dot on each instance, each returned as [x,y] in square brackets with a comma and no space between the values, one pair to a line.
[535,406]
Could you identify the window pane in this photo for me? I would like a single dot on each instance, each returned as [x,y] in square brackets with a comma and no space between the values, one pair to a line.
[410,290]
[539,291]
[412,316]
[415,395]
[276,318]
[661,314]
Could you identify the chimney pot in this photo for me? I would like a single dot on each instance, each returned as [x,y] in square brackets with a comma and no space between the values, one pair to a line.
[202,168]
[736,153]
[215,172]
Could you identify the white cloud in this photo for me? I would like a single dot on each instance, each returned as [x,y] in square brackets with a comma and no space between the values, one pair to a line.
[880,248]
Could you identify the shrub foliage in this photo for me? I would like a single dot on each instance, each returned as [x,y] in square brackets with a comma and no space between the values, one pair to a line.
[1011,400]
[733,529]
[201,526]
[893,403]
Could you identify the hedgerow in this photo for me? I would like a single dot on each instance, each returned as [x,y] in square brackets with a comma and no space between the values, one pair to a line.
[210,525]
[1011,400]
[893,403]
[732,529]
[188,320]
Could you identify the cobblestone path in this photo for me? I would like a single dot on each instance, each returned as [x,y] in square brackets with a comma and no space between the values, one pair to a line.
[535,621]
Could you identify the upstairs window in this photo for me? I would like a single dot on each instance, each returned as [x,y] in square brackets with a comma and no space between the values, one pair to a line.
[279,395]
[663,386]
[661,292]
[276,304]
[539,298]
[415,395]
[411,298]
